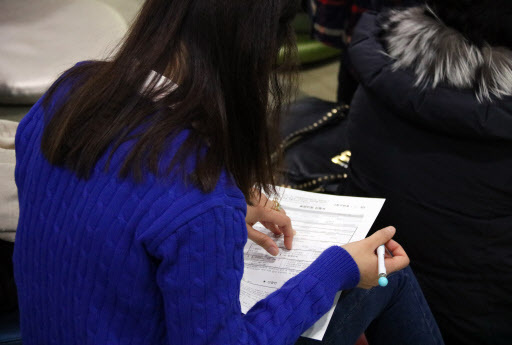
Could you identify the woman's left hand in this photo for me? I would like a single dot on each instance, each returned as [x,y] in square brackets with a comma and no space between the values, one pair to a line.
[275,220]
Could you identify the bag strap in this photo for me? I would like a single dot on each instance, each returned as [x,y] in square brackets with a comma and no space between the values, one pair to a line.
[335,115]
[332,117]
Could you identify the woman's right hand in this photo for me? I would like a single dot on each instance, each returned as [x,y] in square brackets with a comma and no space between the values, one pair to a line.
[363,253]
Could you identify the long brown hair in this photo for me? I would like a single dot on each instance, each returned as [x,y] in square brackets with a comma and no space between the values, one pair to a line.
[223,54]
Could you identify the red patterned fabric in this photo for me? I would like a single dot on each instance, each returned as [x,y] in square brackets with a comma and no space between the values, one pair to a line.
[334,20]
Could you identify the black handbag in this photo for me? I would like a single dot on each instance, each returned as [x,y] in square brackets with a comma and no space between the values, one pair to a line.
[315,146]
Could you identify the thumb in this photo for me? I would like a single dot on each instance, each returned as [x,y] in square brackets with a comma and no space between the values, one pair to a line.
[382,236]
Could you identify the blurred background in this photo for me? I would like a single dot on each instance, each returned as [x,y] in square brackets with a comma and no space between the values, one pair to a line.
[42,38]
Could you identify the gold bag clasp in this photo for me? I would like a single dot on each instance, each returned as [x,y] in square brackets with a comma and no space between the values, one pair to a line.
[343,159]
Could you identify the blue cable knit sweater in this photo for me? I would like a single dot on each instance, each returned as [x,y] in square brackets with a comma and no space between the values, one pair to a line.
[111,261]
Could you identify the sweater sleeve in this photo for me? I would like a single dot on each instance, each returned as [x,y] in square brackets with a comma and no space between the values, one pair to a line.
[199,274]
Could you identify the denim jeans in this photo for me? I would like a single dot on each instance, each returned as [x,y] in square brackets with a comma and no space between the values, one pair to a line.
[396,314]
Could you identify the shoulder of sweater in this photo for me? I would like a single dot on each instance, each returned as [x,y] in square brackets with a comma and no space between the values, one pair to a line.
[36,117]
[166,202]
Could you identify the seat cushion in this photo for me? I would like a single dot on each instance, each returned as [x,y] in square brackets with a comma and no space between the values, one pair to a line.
[311,51]
[42,38]
[9,210]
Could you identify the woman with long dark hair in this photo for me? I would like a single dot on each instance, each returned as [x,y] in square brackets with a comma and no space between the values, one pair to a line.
[134,176]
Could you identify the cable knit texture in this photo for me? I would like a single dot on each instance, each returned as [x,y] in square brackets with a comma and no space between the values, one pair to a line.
[111,261]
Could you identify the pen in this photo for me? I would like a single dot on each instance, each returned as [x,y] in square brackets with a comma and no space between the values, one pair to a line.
[383,281]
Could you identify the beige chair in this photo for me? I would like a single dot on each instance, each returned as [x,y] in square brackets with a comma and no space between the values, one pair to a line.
[9,209]
[42,38]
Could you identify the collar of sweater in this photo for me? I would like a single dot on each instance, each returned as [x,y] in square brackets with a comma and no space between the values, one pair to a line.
[418,40]
[159,85]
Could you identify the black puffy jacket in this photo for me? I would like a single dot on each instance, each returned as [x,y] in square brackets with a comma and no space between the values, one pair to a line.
[442,158]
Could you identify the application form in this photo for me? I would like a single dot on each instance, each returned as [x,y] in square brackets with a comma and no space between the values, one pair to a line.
[321,221]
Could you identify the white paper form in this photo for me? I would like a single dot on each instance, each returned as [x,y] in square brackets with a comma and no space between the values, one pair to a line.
[321,221]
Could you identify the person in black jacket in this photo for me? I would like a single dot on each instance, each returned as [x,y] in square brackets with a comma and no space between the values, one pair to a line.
[431,131]
[333,24]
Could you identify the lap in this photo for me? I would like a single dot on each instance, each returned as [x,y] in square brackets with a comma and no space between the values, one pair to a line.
[396,314]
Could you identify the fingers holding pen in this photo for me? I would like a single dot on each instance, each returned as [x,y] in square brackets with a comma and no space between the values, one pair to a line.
[364,254]
[399,260]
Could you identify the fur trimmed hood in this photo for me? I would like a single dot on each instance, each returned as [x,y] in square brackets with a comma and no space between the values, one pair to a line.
[459,103]
[417,39]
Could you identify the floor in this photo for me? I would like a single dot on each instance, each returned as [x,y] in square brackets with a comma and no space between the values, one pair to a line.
[319,80]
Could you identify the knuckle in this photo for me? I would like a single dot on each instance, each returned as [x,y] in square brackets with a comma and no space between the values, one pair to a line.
[267,243]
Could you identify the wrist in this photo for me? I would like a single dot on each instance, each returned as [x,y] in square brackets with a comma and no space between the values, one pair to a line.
[336,268]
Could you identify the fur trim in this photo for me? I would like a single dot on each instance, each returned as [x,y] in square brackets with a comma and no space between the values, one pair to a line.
[418,40]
